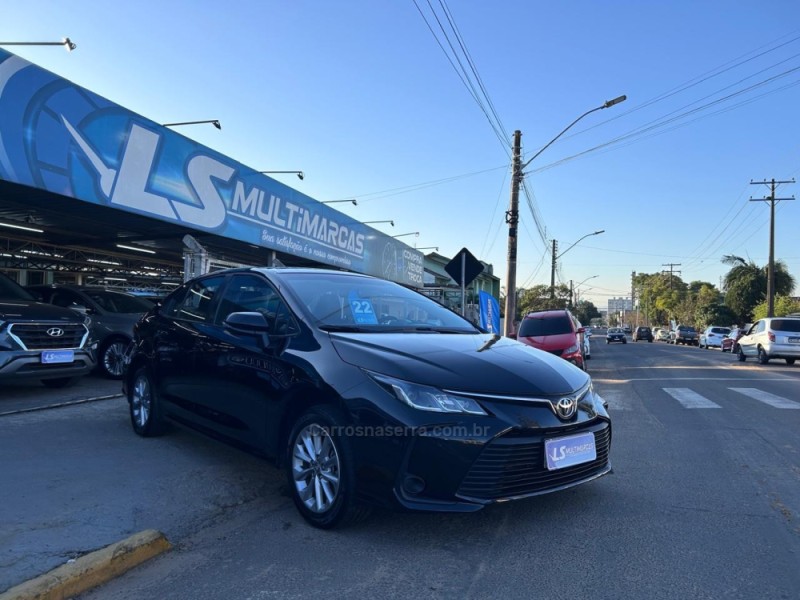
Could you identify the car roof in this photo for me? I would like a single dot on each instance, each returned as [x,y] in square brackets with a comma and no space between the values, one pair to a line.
[544,314]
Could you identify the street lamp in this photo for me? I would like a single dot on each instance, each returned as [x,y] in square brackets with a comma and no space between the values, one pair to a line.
[571,288]
[434,248]
[214,122]
[557,256]
[66,42]
[300,174]
[512,215]
[353,200]
[373,222]
[414,233]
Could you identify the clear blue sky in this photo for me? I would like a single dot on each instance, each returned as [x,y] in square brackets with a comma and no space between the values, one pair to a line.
[359,95]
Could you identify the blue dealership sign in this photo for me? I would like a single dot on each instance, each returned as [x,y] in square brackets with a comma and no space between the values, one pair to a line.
[489,312]
[60,137]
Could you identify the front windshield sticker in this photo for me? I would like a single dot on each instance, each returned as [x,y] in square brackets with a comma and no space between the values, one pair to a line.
[363,313]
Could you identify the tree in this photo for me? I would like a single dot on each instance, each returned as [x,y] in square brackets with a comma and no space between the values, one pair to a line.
[715,314]
[585,311]
[784,305]
[745,284]
[538,298]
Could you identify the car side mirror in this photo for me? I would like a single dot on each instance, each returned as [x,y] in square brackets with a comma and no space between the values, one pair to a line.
[81,309]
[248,323]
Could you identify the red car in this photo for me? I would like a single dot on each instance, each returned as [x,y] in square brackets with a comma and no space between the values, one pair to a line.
[554,331]
[729,342]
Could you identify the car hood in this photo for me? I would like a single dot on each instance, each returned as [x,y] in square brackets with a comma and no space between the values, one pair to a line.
[23,310]
[481,363]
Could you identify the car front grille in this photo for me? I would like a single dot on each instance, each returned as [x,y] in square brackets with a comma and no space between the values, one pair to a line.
[515,466]
[34,336]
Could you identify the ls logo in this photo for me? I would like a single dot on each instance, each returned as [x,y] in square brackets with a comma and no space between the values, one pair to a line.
[127,186]
[558,454]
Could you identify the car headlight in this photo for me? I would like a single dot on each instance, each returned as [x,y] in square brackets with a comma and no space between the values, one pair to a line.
[571,349]
[428,398]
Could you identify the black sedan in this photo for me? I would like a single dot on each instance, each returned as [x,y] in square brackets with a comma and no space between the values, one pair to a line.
[616,334]
[365,392]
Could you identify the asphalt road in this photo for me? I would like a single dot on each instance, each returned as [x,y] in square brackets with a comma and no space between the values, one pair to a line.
[704,503]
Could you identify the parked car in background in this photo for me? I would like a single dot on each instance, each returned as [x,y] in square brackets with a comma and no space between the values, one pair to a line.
[616,334]
[555,331]
[773,337]
[730,343]
[661,335]
[587,346]
[683,334]
[642,333]
[712,336]
[41,342]
[299,365]
[113,315]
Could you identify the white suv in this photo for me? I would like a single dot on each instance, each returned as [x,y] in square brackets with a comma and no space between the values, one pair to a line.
[713,335]
[773,337]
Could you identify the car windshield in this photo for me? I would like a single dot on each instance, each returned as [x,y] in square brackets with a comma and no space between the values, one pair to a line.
[792,325]
[9,290]
[344,302]
[545,325]
[117,302]
[615,330]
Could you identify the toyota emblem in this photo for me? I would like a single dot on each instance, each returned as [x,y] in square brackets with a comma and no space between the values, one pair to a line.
[55,332]
[566,408]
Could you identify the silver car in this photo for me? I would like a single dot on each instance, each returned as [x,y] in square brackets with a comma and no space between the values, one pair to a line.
[773,337]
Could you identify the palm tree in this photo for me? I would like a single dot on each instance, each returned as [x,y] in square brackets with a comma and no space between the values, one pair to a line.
[745,284]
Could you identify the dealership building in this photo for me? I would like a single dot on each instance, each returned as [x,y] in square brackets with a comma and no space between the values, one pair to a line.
[93,193]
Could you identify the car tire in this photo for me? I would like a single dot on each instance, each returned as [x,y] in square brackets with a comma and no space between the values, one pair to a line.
[143,405]
[624,341]
[763,357]
[59,382]
[111,357]
[740,355]
[790,361]
[323,485]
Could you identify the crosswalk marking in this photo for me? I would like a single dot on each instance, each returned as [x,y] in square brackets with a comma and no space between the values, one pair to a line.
[690,399]
[767,398]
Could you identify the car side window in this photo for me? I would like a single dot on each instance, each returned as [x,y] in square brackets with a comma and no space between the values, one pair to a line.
[760,326]
[65,298]
[197,301]
[250,293]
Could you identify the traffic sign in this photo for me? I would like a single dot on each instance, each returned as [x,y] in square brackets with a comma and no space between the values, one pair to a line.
[464,262]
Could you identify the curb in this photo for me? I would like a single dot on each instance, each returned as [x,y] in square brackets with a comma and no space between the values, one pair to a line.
[91,570]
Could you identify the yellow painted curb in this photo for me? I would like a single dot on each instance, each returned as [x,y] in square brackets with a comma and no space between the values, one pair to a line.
[92,569]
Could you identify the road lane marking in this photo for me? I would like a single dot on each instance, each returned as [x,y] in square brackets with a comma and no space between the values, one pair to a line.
[690,399]
[767,398]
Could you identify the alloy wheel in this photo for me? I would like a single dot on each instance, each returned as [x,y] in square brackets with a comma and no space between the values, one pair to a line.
[114,359]
[141,401]
[316,468]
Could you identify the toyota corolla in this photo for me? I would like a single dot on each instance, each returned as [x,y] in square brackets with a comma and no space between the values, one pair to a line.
[365,392]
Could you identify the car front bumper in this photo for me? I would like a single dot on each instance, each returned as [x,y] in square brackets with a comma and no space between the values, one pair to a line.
[27,365]
[462,465]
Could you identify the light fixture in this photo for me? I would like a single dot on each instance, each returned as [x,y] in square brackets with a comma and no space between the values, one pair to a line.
[145,250]
[353,200]
[214,122]
[414,233]
[300,174]
[371,222]
[23,227]
[66,42]
[434,248]
[114,279]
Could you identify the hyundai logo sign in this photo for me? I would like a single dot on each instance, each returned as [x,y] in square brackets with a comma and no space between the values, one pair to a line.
[55,332]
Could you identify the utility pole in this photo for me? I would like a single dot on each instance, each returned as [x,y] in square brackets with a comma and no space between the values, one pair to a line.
[570,294]
[671,266]
[771,269]
[512,218]
[553,271]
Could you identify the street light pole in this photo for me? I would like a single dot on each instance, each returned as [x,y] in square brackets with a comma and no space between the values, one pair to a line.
[556,257]
[512,215]
[66,42]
